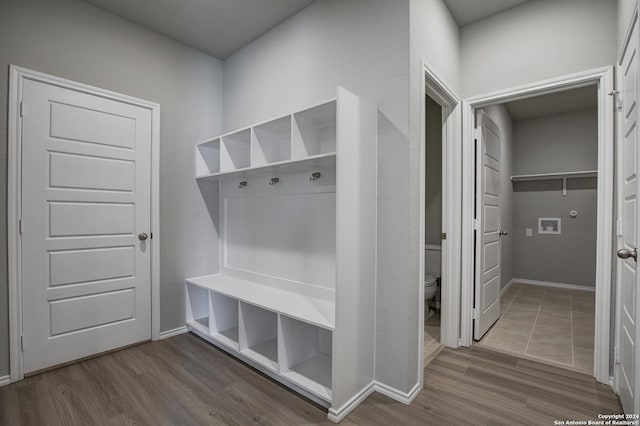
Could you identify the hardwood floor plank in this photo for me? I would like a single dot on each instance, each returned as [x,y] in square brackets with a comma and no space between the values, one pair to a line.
[186,381]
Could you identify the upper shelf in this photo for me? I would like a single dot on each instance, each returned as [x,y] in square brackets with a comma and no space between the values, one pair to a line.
[283,142]
[552,176]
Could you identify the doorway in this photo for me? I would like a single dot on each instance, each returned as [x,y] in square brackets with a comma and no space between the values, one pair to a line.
[434,233]
[545,227]
[441,106]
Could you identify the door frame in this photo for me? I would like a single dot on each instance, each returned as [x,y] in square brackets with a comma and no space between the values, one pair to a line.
[603,78]
[17,76]
[434,86]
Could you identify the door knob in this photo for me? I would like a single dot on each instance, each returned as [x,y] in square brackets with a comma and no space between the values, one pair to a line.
[626,253]
[142,236]
[501,233]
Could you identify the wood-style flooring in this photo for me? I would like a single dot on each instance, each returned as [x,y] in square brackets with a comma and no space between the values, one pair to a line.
[186,381]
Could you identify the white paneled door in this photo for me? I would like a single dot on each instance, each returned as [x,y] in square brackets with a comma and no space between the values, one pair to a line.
[487,287]
[628,280]
[86,211]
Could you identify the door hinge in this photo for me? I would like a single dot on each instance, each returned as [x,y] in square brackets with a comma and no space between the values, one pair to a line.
[22,343]
[617,99]
[475,313]
[21,109]
[20,226]
[616,355]
[477,132]
[443,236]
[476,224]
[619,228]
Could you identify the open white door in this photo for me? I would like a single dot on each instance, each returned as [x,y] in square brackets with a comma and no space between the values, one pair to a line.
[628,297]
[487,279]
[86,212]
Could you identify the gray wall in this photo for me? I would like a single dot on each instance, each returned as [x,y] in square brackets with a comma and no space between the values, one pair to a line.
[359,44]
[435,37]
[362,45]
[625,12]
[561,142]
[433,173]
[74,40]
[499,114]
[538,40]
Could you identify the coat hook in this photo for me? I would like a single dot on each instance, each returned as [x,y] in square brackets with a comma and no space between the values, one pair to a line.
[273,181]
[315,176]
[242,184]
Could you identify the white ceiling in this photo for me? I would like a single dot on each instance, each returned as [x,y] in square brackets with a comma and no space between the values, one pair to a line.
[554,103]
[466,12]
[217,27]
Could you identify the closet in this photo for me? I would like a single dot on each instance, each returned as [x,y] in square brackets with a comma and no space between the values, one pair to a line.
[295,292]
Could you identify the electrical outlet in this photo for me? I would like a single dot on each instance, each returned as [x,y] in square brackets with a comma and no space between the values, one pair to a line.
[529,232]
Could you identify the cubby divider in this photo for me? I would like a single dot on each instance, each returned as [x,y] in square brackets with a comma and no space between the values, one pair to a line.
[198,308]
[208,158]
[314,131]
[271,142]
[236,151]
[224,319]
[259,335]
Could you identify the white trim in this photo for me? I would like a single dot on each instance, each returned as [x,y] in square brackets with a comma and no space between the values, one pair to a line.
[336,415]
[506,287]
[14,189]
[14,242]
[172,333]
[603,78]
[155,221]
[393,393]
[5,380]
[555,285]
[435,87]
[467,225]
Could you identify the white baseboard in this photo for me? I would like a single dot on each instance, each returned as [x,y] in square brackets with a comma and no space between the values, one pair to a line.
[172,333]
[336,415]
[506,287]
[5,380]
[393,393]
[557,285]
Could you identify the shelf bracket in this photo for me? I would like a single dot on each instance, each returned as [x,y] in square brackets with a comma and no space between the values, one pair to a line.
[564,186]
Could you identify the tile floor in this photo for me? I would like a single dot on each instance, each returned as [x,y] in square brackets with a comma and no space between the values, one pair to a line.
[431,334]
[550,324]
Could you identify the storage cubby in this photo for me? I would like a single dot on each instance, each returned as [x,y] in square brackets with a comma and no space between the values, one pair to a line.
[198,307]
[224,319]
[314,131]
[208,158]
[259,335]
[294,293]
[236,151]
[271,142]
[305,355]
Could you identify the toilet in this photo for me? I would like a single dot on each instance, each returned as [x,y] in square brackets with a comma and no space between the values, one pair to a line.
[430,286]
[432,263]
